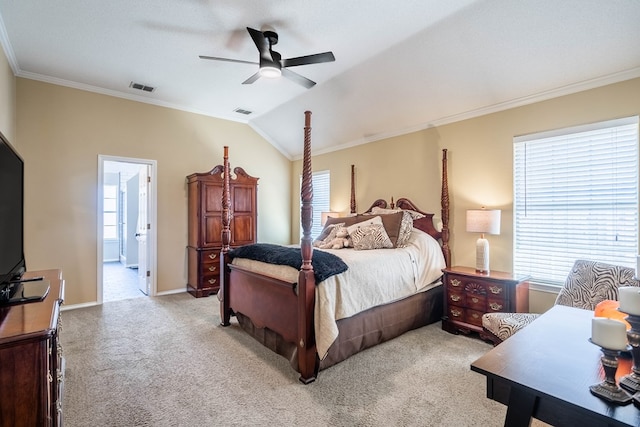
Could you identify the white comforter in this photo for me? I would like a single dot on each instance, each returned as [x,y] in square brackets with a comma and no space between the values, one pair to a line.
[374,277]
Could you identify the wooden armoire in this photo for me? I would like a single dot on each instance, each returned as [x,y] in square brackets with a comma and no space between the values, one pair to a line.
[205,224]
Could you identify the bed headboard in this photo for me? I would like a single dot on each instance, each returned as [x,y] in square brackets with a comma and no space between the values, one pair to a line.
[425,224]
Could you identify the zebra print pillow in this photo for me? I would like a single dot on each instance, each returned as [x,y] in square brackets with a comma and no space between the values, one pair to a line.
[370,236]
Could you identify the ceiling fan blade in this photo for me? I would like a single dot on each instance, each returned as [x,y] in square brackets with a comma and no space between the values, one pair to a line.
[301,80]
[309,59]
[215,58]
[252,79]
[261,42]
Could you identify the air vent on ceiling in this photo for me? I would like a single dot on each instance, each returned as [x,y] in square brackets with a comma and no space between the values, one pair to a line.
[140,86]
[243,111]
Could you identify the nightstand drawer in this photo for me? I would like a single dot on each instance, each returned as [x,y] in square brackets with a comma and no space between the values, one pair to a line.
[473,317]
[456,297]
[496,304]
[496,291]
[456,313]
[455,283]
[476,302]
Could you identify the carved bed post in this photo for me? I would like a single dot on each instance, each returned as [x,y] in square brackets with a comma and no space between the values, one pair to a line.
[353,190]
[444,203]
[225,311]
[307,359]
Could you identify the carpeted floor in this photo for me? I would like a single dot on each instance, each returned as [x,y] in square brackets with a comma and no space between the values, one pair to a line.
[165,361]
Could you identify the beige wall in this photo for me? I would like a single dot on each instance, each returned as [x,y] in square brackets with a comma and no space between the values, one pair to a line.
[382,170]
[7,100]
[62,131]
[480,154]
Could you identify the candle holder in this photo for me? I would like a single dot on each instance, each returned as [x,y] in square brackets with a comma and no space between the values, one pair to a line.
[631,382]
[608,389]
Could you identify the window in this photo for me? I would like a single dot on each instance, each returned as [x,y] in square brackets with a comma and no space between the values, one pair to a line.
[576,196]
[321,195]
[110,221]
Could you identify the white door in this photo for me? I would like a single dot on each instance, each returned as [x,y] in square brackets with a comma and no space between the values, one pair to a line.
[131,223]
[144,279]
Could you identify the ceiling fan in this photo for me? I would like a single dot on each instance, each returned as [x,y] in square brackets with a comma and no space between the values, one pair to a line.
[271,63]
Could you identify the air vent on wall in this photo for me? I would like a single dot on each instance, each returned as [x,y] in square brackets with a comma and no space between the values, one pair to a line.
[243,111]
[140,86]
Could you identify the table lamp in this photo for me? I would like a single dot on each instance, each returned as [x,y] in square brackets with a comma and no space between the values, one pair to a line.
[326,215]
[483,221]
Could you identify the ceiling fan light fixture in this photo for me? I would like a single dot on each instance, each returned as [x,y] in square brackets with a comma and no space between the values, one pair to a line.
[269,71]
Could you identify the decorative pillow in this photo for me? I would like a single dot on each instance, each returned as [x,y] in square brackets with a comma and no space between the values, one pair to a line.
[328,233]
[375,220]
[391,223]
[406,225]
[370,236]
[414,215]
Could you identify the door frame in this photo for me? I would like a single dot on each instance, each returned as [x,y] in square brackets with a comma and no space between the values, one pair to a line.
[152,201]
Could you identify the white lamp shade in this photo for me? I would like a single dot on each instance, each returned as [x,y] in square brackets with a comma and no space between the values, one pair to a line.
[325,215]
[483,221]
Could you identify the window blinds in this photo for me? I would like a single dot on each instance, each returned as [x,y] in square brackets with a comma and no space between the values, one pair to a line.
[321,200]
[576,197]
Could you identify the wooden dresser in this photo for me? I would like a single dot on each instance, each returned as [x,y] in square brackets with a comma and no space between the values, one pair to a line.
[468,295]
[31,362]
[205,224]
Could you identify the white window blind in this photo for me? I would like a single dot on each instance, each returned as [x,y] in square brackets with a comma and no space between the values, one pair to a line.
[576,197]
[321,199]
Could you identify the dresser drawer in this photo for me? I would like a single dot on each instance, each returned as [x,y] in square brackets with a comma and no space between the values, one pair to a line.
[496,291]
[210,268]
[473,317]
[496,305]
[454,284]
[456,313]
[456,297]
[210,257]
[210,280]
[476,301]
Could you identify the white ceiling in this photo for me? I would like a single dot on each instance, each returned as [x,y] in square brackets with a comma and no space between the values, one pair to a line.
[400,65]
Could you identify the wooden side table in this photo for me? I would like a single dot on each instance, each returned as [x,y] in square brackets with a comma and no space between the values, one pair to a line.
[468,295]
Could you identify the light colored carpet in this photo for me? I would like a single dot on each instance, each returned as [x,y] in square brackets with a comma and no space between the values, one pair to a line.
[165,361]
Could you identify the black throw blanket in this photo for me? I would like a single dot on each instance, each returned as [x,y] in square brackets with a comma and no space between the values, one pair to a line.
[324,264]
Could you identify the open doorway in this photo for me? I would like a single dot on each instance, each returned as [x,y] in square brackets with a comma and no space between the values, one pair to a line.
[126,228]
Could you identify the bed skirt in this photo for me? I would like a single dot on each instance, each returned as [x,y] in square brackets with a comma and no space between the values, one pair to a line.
[363,330]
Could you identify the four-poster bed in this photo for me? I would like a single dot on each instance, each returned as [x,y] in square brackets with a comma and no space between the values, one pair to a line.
[287,312]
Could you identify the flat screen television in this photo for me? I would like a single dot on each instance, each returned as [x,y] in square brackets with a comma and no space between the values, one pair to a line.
[12,263]
[14,289]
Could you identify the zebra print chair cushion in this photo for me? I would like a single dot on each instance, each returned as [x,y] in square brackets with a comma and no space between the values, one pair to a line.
[588,283]
[591,282]
[502,325]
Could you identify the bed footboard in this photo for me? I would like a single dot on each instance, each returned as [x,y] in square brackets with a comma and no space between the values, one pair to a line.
[282,307]
[275,305]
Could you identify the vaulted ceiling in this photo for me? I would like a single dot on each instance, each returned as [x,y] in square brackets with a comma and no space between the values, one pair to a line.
[400,65]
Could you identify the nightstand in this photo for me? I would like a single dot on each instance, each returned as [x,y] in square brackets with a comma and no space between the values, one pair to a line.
[468,295]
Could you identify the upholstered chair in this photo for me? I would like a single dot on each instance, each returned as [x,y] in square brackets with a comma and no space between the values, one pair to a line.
[588,283]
